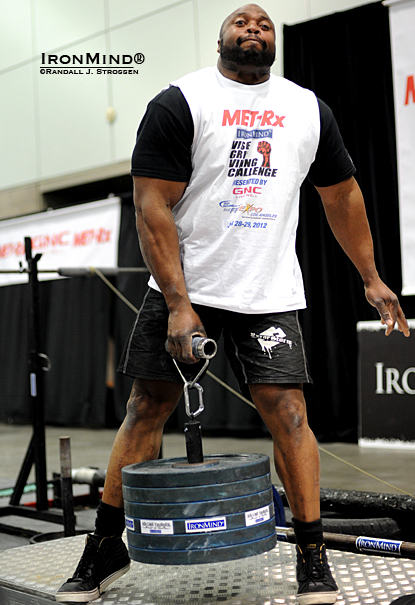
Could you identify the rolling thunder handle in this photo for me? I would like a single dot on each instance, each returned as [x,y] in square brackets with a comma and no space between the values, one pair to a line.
[203,348]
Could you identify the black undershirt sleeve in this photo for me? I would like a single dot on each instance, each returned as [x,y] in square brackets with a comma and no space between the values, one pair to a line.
[164,139]
[332,163]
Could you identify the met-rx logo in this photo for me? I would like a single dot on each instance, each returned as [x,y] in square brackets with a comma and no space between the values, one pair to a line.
[246,117]
[205,525]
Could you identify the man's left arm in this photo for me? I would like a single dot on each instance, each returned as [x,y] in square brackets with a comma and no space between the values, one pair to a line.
[346,214]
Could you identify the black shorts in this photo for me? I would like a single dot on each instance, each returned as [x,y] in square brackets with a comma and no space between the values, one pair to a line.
[261,348]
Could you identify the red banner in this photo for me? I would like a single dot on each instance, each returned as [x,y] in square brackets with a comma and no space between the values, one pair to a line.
[80,236]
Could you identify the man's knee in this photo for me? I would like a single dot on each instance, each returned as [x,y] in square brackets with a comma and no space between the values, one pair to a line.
[291,414]
[282,407]
[152,401]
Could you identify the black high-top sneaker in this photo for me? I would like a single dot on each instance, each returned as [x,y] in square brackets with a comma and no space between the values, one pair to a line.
[315,583]
[103,561]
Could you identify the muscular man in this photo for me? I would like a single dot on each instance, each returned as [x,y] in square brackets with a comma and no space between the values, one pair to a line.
[218,163]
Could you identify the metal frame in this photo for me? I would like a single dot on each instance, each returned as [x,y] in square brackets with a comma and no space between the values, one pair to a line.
[38,364]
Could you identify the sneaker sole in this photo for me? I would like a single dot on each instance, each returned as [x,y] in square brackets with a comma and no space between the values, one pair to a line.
[105,583]
[91,595]
[317,598]
[77,597]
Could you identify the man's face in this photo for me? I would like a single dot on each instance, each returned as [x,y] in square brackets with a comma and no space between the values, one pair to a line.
[247,37]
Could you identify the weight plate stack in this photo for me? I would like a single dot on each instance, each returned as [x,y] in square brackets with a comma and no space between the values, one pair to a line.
[182,514]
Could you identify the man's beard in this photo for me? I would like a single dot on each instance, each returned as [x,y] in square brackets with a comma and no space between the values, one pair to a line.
[246,56]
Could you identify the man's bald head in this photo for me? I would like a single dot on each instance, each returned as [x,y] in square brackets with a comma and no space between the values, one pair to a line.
[241,11]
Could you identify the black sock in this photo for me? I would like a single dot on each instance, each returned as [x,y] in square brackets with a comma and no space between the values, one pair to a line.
[308,534]
[110,520]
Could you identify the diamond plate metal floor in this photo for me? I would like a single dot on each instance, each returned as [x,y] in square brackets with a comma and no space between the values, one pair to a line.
[30,575]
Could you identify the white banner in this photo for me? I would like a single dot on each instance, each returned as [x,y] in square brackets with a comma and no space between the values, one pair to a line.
[80,236]
[402,20]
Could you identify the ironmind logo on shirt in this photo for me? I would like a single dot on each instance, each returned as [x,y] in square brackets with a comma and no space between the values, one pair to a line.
[246,117]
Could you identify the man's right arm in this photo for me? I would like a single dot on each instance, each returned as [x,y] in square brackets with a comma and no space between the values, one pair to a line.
[154,200]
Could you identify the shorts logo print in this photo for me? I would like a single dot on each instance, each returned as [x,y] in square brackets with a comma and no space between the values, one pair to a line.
[271,338]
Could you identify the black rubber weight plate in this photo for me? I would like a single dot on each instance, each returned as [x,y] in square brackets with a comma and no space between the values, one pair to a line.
[233,521]
[208,555]
[176,472]
[191,510]
[201,540]
[197,492]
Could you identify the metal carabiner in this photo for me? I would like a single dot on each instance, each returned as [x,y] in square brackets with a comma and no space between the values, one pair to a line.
[201,407]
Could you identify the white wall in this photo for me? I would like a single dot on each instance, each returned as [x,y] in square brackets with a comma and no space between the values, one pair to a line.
[55,125]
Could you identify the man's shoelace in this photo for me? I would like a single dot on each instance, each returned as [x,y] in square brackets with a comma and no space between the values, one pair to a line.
[86,564]
[311,567]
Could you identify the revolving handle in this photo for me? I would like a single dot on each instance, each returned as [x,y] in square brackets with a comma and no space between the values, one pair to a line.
[203,348]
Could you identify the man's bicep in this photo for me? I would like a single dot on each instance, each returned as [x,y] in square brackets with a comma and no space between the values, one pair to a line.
[333,194]
[157,192]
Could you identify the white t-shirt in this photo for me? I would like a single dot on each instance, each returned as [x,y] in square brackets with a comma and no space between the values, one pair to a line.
[237,220]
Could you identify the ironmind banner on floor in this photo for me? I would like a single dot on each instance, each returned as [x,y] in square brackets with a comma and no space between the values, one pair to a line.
[386,385]
[85,235]
[402,20]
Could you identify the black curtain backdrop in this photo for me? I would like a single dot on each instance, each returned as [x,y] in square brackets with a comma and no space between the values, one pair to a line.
[78,318]
[74,318]
[345,58]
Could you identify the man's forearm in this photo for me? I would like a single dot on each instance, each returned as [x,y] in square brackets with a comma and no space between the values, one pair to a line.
[159,245]
[346,215]
[158,236]
[159,242]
